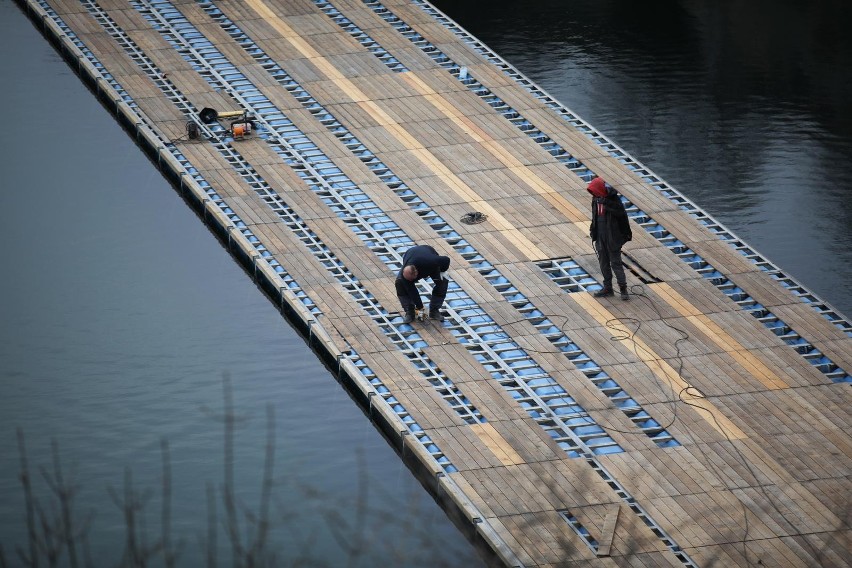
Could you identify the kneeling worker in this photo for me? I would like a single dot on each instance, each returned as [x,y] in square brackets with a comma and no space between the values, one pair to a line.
[422,261]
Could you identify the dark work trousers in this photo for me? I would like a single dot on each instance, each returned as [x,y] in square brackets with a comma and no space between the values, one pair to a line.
[609,258]
[405,290]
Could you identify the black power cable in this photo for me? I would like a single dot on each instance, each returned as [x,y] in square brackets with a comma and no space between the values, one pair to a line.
[473,218]
[627,335]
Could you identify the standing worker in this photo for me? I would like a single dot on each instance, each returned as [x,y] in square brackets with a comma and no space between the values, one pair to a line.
[422,261]
[610,229]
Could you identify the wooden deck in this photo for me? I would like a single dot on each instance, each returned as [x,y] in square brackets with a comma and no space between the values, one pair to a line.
[699,424]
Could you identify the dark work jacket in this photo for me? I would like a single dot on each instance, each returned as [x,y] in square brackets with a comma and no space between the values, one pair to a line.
[429,265]
[617,231]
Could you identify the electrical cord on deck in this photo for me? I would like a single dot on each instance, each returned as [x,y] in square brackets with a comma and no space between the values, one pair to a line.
[473,218]
[193,133]
[638,292]
[733,446]
[670,397]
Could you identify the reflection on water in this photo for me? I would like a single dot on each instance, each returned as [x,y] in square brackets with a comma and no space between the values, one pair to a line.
[742,106]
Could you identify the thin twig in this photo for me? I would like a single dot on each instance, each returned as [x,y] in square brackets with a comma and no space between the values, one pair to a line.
[361,504]
[263,525]
[29,500]
[168,555]
[211,526]
[51,543]
[232,522]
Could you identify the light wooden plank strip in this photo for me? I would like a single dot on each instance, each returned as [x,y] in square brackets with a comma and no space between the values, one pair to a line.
[608,531]
[664,370]
[498,445]
[767,377]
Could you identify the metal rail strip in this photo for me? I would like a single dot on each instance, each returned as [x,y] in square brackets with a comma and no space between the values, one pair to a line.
[568,275]
[578,527]
[217,136]
[360,36]
[571,277]
[505,360]
[492,275]
[774,323]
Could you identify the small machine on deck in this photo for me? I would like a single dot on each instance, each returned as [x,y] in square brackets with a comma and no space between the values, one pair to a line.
[241,125]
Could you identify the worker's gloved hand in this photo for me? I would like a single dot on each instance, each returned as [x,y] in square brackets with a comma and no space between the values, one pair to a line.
[420,315]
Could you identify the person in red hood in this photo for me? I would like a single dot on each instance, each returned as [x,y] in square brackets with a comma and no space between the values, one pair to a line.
[609,230]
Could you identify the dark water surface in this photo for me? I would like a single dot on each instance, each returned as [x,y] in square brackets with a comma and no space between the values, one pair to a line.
[120,312]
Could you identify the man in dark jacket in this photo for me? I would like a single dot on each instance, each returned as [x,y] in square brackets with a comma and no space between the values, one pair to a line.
[422,261]
[610,229]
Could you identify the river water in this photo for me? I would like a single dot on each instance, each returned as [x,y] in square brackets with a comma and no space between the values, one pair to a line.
[120,314]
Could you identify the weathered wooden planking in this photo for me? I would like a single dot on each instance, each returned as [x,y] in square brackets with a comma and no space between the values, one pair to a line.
[802,317]
[310,22]
[614,172]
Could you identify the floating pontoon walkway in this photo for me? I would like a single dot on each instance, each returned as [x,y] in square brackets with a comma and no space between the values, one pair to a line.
[703,423]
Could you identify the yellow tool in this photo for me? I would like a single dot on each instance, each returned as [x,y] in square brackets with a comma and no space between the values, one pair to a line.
[209,115]
[421,315]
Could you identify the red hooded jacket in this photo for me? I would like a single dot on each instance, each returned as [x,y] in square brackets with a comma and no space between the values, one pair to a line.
[607,202]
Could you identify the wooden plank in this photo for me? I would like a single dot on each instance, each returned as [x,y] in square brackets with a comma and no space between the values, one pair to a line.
[616,174]
[683,227]
[67,7]
[433,414]
[577,143]
[723,255]
[82,23]
[311,22]
[498,445]
[462,453]
[394,370]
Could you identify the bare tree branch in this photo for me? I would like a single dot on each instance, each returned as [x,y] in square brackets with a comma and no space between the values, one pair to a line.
[29,501]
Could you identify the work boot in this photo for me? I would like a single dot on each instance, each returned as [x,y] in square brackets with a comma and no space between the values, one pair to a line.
[408,317]
[435,314]
[623,289]
[604,292]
